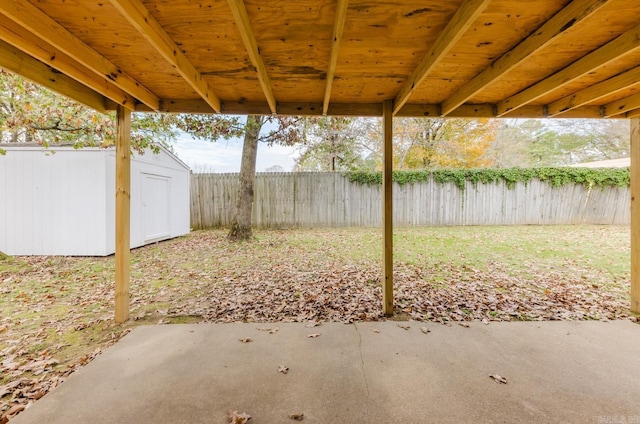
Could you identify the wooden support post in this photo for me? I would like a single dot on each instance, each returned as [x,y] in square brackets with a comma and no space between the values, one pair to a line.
[387,208]
[635,215]
[123,210]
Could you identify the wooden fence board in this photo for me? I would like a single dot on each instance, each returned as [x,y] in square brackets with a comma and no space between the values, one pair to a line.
[331,200]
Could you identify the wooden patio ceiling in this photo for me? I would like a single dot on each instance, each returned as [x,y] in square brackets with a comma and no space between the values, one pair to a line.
[472,58]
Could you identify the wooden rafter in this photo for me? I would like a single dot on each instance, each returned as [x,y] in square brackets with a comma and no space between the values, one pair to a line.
[241,17]
[33,46]
[557,25]
[138,16]
[456,27]
[634,113]
[624,44]
[621,106]
[41,25]
[16,61]
[338,30]
[595,92]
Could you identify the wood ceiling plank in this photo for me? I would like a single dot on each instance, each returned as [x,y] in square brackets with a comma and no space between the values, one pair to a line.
[573,13]
[27,42]
[633,113]
[241,17]
[595,92]
[625,43]
[456,27]
[21,63]
[621,106]
[40,24]
[338,31]
[136,13]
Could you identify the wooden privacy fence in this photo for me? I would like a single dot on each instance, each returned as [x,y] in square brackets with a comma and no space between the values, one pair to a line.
[331,200]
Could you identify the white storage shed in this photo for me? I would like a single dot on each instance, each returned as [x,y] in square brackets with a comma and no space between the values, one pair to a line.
[61,200]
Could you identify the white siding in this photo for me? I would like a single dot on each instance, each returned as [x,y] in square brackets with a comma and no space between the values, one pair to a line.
[64,203]
[53,203]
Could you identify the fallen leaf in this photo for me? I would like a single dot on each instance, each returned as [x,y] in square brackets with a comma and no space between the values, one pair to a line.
[313,336]
[463,324]
[246,340]
[404,326]
[274,330]
[312,324]
[296,417]
[283,369]
[485,321]
[13,411]
[425,330]
[375,330]
[498,379]
[238,418]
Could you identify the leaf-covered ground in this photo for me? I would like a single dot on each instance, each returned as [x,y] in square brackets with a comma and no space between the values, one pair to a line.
[56,312]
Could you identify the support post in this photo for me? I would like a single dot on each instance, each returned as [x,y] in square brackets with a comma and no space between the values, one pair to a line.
[387,208]
[123,210]
[635,215]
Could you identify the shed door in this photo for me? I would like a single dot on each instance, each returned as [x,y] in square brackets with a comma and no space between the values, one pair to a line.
[156,216]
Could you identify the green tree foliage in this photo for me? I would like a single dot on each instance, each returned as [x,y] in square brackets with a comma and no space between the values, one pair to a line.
[534,142]
[345,144]
[30,113]
[337,144]
[430,143]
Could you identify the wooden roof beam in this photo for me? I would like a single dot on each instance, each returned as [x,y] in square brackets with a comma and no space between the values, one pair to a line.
[138,16]
[456,27]
[634,113]
[241,17]
[566,18]
[40,24]
[610,86]
[30,44]
[338,30]
[621,106]
[624,44]
[485,110]
[20,63]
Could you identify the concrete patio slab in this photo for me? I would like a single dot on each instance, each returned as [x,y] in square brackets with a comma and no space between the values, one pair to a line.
[562,372]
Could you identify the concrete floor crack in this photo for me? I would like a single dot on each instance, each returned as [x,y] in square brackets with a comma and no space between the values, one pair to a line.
[364,372]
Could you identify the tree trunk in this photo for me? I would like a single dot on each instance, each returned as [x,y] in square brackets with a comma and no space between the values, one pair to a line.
[241,224]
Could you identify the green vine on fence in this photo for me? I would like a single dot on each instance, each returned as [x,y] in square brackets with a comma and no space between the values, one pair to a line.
[556,177]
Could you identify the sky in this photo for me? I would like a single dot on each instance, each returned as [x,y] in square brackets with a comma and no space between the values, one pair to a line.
[225,155]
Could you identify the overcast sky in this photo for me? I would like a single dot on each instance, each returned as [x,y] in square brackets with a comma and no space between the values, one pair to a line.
[225,155]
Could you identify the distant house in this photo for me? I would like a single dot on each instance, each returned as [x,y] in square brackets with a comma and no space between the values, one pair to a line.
[61,201]
[612,163]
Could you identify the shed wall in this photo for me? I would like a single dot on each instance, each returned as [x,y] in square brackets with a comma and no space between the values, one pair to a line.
[64,203]
[52,204]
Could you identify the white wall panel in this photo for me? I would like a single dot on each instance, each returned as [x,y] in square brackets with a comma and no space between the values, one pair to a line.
[64,203]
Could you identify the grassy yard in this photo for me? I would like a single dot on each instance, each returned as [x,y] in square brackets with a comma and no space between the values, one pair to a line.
[56,312]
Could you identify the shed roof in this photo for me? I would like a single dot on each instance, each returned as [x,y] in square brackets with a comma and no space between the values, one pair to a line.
[66,146]
[477,58]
